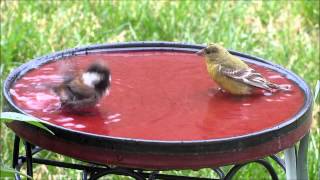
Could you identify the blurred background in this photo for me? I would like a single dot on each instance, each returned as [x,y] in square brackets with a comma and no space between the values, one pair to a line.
[284,32]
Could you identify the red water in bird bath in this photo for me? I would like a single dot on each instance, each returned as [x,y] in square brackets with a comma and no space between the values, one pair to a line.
[158,96]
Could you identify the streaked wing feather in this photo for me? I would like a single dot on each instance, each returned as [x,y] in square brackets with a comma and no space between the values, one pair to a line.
[247,76]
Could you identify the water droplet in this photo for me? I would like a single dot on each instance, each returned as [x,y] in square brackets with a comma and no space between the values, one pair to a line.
[19,85]
[68,124]
[79,126]
[267,93]
[112,121]
[274,77]
[114,116]
[67,119]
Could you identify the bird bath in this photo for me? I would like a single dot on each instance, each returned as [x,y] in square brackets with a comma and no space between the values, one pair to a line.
[163,111]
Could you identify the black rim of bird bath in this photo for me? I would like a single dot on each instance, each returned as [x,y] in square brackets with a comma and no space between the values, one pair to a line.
[165,147]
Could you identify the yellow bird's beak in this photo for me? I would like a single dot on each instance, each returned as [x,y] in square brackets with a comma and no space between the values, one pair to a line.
[200,53]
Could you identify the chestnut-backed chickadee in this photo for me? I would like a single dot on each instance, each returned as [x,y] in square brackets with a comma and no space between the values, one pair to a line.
[84,90]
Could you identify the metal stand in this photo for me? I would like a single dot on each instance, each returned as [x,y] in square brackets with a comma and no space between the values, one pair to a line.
[296,168]
[296,163]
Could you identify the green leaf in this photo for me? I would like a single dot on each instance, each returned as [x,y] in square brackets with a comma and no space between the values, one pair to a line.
[13,116]
[6,172]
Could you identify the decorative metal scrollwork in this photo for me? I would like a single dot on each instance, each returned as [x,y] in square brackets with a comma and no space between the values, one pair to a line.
[116,171]
[263,162]
[95,172]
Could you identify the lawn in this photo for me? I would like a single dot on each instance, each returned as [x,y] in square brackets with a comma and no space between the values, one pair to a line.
[284,32]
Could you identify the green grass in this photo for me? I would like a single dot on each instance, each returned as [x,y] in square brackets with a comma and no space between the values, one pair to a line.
[285,32]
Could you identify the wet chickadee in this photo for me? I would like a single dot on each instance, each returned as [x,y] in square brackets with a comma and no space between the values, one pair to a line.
[85,89]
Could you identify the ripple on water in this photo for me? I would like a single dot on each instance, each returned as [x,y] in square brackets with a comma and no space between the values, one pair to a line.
[112,121]
[19,85]
[275,77]
[113,118]
[65,119]
[79,126]
[267,93]
[269,100]
[68,124]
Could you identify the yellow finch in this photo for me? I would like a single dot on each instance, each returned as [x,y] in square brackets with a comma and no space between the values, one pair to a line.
[232,74]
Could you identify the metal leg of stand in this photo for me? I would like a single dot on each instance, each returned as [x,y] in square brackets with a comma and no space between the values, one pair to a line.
[29,158]
[84,175]
[297,164]
[302,161]
[15,151]
[290,163]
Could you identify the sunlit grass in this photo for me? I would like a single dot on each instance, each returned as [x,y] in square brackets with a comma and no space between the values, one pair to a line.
[285,32]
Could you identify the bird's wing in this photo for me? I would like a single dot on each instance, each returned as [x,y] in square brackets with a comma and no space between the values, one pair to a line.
[248,76]
[78,103]
[80,90]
